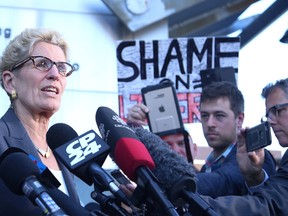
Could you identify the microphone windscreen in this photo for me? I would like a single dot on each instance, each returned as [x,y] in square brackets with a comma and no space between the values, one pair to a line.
[77,152]
[112,127]
[127,150]
[58,134]
[15,167]
[170,166]
[131,154]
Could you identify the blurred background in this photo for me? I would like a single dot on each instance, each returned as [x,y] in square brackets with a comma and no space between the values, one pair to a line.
[92,28]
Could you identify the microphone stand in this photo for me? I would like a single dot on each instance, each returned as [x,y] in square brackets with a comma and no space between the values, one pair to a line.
[108,204]
[148,182]
[196,202]
[187,147]
[184,189]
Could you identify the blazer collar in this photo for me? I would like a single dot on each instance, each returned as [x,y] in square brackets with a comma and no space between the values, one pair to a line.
[17,135]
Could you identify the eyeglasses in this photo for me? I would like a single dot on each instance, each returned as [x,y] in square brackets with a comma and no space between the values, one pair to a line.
[45,64]
[274,112]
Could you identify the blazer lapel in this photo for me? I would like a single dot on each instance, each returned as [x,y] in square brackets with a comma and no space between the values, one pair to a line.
[18,137]
[68,177]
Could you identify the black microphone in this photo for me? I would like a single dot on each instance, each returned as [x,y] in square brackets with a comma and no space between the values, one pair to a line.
[131,155]
[77,152]
[175,174]
[65,202]
[108,205]
[83,155]
[70,207]
[23,180]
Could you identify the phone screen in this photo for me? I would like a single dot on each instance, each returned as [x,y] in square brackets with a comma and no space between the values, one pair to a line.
[120,177]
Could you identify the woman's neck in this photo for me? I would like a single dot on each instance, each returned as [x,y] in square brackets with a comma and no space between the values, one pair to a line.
[36,126]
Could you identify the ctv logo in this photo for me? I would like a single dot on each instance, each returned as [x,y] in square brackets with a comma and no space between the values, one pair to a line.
[82,147]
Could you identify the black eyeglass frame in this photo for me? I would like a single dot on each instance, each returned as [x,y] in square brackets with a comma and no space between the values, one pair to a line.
[65,74]
[275,113]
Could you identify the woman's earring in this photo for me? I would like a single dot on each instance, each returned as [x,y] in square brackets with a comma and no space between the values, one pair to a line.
[13,94]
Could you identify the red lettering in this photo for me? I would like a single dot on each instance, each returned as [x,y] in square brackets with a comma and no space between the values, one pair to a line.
[121,106]
[136,97]
[193,102]
[189,103]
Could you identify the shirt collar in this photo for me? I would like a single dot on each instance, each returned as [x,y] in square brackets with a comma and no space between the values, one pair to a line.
[223,155]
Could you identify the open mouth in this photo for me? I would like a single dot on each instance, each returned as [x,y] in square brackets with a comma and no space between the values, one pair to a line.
[51,89]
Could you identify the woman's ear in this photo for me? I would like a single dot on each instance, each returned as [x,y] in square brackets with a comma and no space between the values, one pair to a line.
[7,79]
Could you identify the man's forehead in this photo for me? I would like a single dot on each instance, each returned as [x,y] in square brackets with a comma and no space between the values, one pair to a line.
[276,96]
[174,135]
[216,104]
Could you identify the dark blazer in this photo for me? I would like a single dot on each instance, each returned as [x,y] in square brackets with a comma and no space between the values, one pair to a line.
[13,134]
[227,179]
[269,199]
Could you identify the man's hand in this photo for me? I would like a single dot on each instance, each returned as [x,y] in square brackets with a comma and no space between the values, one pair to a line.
[250,163]
[137,114]
[128,189]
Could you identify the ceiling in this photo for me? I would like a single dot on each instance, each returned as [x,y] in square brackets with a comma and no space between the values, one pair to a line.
[218,18]
[194,18]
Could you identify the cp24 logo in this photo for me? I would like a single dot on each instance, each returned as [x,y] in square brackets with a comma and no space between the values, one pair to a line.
[82,147]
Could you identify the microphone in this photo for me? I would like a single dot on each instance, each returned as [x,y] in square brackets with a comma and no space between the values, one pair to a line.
[95,208]
[82,156]
[176,175]
[77,152]
[64,201]
[71,207]
[24,180]
[131,155]
[170,166]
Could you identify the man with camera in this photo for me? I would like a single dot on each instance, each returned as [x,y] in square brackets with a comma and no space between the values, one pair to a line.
[222,116]
[268,196]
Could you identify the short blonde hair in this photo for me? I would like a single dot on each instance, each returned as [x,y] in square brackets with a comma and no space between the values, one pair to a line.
[22,45]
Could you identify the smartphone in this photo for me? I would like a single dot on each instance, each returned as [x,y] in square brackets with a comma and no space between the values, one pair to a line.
[164,116]
[120,177]
[258,137]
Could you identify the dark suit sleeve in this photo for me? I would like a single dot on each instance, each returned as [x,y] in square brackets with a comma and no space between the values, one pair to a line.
[226,180]
[269,163]
[269,199]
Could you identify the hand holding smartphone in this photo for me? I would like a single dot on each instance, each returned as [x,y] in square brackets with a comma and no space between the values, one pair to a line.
[258,137]
[164,116]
